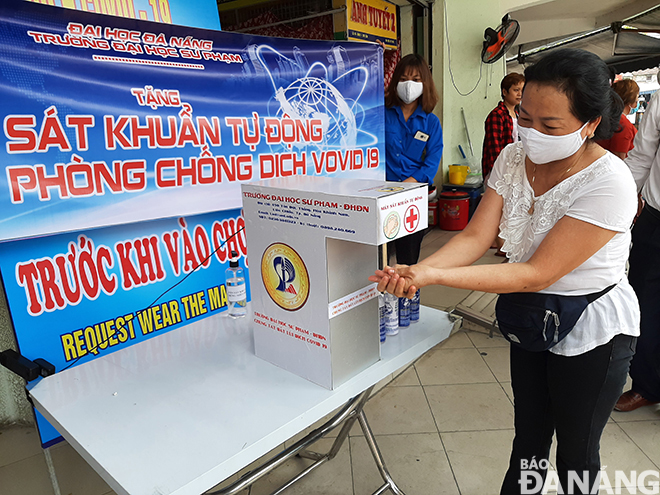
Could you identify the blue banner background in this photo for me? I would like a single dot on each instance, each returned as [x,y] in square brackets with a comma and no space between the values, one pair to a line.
[66,334]
[339,84]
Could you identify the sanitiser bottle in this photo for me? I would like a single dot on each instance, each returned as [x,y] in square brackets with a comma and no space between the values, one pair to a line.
[382,317]
[414,308]
[235,284]
[404,312]
[391,314]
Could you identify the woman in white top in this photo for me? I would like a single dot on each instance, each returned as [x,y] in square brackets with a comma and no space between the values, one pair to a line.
[563,207]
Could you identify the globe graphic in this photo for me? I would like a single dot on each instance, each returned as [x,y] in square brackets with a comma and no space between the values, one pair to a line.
[315,98]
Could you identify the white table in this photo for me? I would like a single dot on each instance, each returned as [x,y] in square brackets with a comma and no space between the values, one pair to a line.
[181,412]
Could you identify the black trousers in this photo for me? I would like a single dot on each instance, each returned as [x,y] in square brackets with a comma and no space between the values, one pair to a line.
[572,396]
[644,276]
[408,248]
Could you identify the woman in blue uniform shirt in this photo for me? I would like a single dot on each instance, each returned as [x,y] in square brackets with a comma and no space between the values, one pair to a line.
[413,136]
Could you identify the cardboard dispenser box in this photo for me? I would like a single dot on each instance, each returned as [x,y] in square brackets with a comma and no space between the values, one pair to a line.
[312,243]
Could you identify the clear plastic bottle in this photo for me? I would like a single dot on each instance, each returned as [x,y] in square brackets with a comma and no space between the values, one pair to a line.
[381,317]
[235,284]
[391,314]
[414,308]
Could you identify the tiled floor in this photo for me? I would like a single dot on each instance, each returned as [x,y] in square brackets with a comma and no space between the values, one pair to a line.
[444,426]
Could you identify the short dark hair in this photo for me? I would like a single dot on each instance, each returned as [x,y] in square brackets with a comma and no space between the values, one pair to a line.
[628,90]
[585,79]
[511,80]
[429,94]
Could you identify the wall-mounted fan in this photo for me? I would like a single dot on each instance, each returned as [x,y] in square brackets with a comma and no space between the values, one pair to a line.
[497,42]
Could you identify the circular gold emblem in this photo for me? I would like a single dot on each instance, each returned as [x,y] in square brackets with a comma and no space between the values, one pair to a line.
[391,225]
[285,276]
[390,189]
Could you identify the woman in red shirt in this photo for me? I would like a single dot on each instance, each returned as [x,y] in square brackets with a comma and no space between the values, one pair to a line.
[501,122]
[622,140]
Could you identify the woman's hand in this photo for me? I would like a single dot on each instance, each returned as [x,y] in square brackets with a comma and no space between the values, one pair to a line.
[403,280]
[389,281]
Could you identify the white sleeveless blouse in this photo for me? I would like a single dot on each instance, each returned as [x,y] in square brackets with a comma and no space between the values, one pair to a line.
[603,194]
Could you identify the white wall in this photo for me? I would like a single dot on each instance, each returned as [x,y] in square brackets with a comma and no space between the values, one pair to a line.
[466,22]
[406,30]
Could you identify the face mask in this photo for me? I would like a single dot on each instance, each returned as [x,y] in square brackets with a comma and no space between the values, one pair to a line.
[409,91]
[544,148]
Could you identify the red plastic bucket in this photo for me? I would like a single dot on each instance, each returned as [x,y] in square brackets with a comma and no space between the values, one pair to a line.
[454,210]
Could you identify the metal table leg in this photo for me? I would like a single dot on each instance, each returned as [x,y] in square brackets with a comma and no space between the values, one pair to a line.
[346,417]
[51,472]
[380,462]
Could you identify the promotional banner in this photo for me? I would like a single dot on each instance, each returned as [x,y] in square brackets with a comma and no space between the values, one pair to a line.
[78,296]
[124,144]
[372,20]
[195,13]
[108,120]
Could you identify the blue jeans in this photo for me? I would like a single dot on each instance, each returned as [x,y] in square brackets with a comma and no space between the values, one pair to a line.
[572,396]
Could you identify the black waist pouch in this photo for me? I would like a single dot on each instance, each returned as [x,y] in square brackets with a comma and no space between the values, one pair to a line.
[536,321]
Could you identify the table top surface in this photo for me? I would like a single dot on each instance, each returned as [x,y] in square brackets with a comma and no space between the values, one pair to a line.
[183,411]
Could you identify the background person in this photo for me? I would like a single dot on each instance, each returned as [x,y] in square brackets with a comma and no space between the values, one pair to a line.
[413,136]
[500,126]
[621,141]
[644,273]
[564,207]
[501,129]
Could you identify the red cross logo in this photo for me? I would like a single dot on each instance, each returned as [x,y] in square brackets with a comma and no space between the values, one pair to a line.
[411,218]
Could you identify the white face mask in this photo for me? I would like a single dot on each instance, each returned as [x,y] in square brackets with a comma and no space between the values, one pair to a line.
[409,91]
[544,148]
